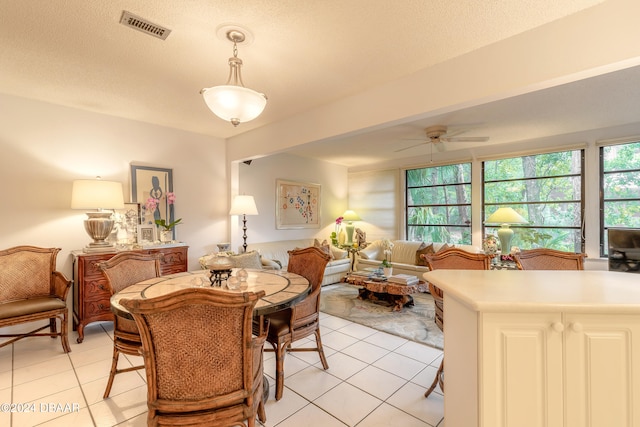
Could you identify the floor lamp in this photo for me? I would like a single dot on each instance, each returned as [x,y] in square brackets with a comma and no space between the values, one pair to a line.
[243,205]
[505,217]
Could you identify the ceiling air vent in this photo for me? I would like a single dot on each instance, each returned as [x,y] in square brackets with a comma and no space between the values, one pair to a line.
[141,24]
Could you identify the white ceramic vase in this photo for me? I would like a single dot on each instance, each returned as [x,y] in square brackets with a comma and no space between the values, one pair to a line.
[166,236]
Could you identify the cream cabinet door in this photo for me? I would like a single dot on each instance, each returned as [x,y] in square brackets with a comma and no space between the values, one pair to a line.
[601,352]
[521,378]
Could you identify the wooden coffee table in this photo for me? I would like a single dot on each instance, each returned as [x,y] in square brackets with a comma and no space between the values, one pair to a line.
[376,290]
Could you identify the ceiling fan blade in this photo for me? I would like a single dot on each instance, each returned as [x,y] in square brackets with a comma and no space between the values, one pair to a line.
[412,146]
[466,139]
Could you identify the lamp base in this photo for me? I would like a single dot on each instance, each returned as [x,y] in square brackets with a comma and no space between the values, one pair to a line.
[349,230]
[505,234]
[98,248]
[98,226]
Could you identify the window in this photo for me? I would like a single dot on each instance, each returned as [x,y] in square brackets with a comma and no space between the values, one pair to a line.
[619,189]
[547,190]
[439,204]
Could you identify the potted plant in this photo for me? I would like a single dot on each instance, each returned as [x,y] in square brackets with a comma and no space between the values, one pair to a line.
[387,267]
[334,234]
[166,228]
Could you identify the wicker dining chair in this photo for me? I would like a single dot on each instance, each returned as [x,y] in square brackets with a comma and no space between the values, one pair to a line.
[450,259]
[303,319]
[549,259]
[121,271]
[203,365]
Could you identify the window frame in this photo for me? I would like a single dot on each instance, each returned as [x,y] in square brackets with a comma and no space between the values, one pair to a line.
[581,175]
[604,250]
[407,207]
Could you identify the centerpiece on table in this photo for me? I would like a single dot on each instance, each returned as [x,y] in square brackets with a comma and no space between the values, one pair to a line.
[166,228]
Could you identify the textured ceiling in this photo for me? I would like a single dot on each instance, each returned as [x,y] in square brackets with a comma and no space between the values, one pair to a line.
[303,54]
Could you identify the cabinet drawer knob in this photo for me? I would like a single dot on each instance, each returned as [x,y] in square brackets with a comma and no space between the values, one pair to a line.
[557,326]
[576,327]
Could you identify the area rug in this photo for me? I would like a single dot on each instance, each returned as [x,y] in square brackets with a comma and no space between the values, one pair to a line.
[414,323]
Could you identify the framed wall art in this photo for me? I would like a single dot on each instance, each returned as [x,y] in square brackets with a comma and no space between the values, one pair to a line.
[149,182]
[297,205]
[146,234]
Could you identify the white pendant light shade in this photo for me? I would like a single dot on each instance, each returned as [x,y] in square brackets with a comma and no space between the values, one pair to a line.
[233,101]
[236,104]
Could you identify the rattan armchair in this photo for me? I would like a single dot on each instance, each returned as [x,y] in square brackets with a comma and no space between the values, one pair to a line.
[457,259]
[450,259]
[549,259]
[30,290]
[303,319]
[121,271]
[203,366]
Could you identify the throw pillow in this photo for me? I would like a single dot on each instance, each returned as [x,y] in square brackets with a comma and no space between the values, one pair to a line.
[324,246]
[372,251]
[424,249]
[246,260]
[445,247]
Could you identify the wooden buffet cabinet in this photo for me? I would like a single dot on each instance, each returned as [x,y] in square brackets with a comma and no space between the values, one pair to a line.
[90,293]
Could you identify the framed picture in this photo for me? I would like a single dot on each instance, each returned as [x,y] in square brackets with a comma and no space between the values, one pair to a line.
[125,229]
[146,233]
[149,182]
[297,205]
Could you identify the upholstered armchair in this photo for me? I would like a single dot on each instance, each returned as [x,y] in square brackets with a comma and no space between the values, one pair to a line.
[31,289]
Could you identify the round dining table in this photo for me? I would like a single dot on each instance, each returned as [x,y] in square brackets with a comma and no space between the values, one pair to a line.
[282,288]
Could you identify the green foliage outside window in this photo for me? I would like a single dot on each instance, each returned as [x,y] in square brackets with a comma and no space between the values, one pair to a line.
[620,188]
[546,189]
[439,204]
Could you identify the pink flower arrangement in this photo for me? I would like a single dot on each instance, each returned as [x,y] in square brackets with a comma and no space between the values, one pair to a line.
[152,204]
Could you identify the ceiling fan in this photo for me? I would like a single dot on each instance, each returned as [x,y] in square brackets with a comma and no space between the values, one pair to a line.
[437,135]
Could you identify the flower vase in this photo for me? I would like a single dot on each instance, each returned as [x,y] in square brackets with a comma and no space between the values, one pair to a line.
[166,236]
[387,271]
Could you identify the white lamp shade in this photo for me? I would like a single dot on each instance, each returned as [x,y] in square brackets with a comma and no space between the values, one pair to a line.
[96,194]
[350,216]
[234,103]
[505,216]
[243,205]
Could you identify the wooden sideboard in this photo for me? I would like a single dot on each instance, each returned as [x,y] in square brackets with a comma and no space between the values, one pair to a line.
[90,293]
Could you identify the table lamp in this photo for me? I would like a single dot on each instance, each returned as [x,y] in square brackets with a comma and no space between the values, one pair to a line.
[100,195]
[505,217]
[350,216]
[243,205]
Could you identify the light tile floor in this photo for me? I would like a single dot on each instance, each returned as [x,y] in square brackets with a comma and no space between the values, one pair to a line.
[374,379]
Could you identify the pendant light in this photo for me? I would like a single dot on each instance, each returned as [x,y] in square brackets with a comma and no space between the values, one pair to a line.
[234,102]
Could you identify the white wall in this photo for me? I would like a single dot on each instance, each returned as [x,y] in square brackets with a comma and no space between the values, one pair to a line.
[259,180]
[45,147]
[376,196]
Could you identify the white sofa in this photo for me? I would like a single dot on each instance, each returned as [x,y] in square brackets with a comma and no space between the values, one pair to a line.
[404,256]
[275,255]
